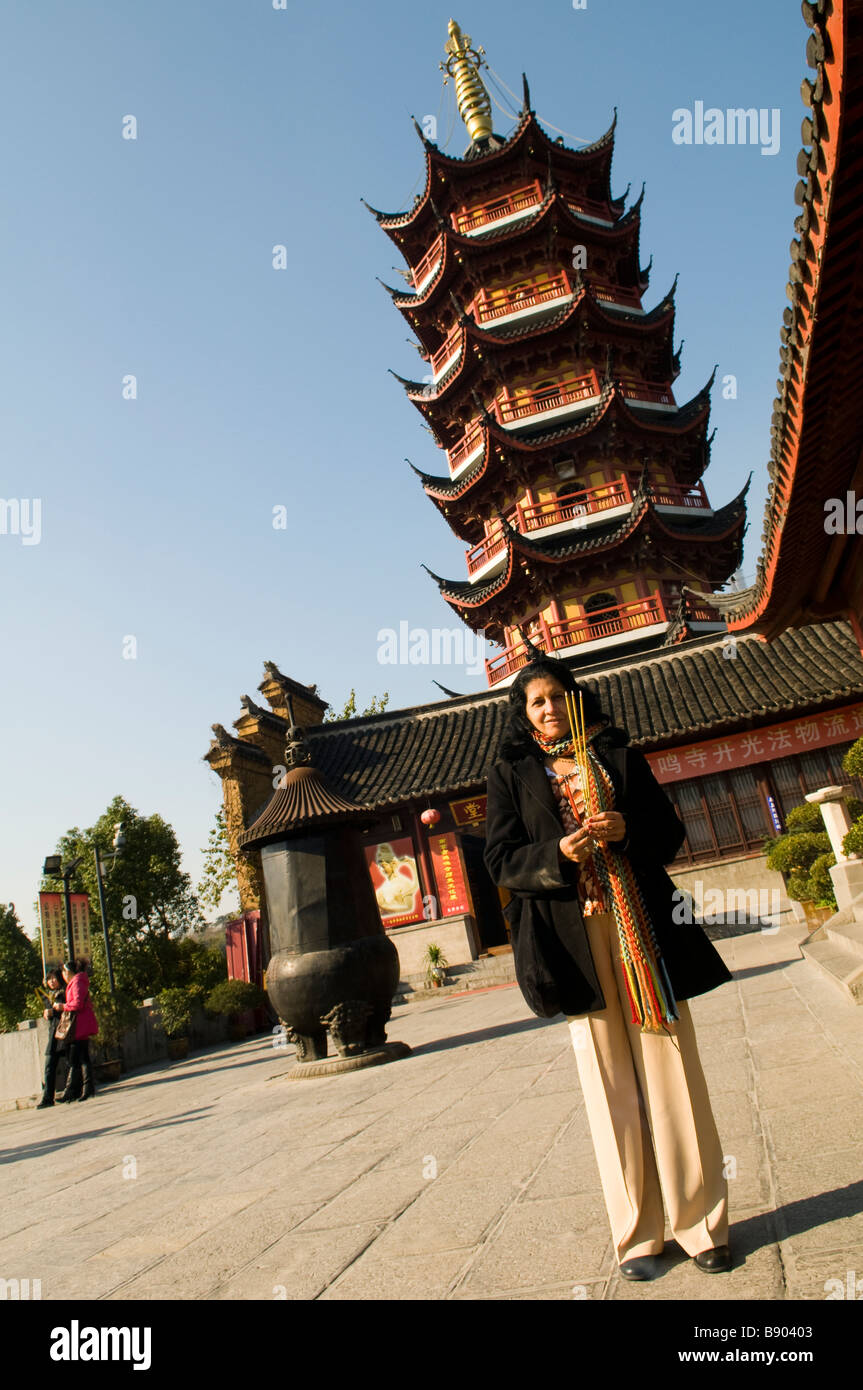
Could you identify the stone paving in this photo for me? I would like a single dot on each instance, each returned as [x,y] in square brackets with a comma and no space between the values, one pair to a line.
[465,1171]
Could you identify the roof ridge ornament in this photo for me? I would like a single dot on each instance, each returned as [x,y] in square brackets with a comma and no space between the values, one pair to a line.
[297,750]
[463,64]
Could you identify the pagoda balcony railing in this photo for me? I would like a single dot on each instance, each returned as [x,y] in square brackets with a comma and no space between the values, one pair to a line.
[468,220]
[535,516]
[571,632]
[425,267]
[703,613]
[462,451]
[489,305]
[652,392]
[589,207]
[447,349]
[617,294]
[514,406]
[676,495]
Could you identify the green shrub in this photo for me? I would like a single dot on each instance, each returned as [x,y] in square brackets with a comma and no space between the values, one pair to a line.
[807,816]
[820,883]
[175,1009]
[116,1014]
[233,997]
[795,854]
[853,760]
[853,841]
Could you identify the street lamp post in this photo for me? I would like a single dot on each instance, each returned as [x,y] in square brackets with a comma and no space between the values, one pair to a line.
[112,855]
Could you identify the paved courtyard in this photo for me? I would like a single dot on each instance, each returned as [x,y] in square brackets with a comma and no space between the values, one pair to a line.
[465,1171]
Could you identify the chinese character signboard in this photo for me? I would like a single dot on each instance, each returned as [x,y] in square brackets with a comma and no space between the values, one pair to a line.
[396,882]
[758,745]
[471,811]
[53,919]
[449,875]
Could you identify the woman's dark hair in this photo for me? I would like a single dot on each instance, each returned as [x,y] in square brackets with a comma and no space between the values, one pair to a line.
[77,965]
[517,740]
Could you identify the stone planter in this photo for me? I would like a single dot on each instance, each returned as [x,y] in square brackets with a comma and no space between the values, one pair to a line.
[178,1048]
[816,916]
[237,1030]
[109,1071]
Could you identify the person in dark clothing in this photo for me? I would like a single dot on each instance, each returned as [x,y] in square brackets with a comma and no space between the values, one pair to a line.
[53,1050]
[79,1085]
[578,831]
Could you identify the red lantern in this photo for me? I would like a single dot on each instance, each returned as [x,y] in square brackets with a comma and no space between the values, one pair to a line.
[430,817]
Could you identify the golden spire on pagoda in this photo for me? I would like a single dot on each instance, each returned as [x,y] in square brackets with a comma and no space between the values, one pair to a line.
[473,100]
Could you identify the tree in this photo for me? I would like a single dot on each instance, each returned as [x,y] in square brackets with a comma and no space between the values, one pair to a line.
[377,706]
[148,897]
[220,865]
[20,969]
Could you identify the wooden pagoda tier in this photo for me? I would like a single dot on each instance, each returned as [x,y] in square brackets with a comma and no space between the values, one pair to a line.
[456,187]
[455,259]
[519,568]
[489,463]
[571,339]
[572,473]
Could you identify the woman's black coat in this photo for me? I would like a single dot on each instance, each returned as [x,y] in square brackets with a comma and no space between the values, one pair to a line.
[553,961]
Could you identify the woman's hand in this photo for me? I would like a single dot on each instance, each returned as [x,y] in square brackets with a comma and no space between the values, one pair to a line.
[608,825]
[578,847]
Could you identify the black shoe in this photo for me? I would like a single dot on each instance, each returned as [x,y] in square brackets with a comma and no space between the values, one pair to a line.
[714,1260]
[67,1096]
[86,1093]
[641,1267]
[44,1104]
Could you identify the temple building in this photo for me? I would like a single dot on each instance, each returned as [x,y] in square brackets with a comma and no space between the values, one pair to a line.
[576,482]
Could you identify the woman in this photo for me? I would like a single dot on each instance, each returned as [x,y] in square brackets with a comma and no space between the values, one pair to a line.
[84,1026]
[54,981]
[594,939]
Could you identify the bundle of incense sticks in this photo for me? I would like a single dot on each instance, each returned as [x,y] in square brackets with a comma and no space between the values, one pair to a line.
[579,745]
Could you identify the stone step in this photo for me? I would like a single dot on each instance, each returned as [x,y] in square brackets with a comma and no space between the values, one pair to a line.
[839,964]
[847,936]
[477,974]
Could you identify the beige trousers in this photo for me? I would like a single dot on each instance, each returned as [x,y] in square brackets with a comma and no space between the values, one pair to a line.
[635,1083]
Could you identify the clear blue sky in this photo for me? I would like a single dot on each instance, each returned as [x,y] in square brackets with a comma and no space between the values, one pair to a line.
[256,387]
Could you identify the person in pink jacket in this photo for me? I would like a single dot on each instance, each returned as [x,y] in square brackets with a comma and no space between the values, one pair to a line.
[79,1085]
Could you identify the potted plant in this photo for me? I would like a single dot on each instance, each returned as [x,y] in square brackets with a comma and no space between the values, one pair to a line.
[803,855]
[117,1014]
[175,1010]
[232,999]
[436,965]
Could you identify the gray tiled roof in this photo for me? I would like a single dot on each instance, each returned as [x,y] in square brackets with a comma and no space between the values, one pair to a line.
[661,698]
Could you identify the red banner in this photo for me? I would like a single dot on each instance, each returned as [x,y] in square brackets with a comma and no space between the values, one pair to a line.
[471,811]
[52,913]
[758,745]
[396,882]
[449,875]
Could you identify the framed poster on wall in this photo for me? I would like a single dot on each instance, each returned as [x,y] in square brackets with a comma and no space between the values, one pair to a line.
[396,882]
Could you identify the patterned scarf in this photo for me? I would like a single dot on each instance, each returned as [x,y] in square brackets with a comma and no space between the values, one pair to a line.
[651,997]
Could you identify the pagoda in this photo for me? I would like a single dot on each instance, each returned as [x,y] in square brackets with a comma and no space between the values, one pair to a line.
[571,473]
